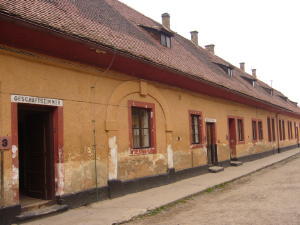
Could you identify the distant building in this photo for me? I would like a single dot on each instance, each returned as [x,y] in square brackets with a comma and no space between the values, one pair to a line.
[98,100]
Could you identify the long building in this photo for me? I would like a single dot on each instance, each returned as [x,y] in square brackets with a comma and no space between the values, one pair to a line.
[98,100]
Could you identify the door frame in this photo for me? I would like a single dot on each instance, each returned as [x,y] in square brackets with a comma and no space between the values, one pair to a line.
[58,156]
[232,150]
[214,140]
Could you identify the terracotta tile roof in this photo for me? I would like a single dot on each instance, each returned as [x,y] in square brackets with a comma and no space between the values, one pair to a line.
[112,23]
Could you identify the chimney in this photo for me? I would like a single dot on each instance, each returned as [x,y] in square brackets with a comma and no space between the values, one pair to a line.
[210,48]
[194,37]
[254,73]
[242,66]
[166,20]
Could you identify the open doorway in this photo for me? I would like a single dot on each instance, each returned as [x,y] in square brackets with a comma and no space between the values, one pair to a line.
[36,158]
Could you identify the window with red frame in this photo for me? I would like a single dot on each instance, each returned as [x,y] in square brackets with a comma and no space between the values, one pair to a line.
[196,129]
[283,129]
[254,130]
[260,130]
[240,126]
[141,127]
[291,128]
[273,130]
[269,129]
[280,130]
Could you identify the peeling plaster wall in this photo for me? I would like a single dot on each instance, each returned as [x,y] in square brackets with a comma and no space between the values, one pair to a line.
[86,92]
[136,166]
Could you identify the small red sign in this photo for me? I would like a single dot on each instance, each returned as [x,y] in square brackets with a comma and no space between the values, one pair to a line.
[5,143]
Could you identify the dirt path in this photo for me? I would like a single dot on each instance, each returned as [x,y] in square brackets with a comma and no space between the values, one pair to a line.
[268,197]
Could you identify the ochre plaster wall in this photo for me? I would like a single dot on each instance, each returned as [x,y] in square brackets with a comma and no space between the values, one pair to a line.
[87,93]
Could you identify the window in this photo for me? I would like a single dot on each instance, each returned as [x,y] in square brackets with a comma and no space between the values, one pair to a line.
[283,130]
[254,130]
[269,129]
[296,131]
[229,71]
[240,126]
[260,130]
[280,130]
[141,127]
[273,130]
[291,132]
[165,40]
[142,132]
[196,128]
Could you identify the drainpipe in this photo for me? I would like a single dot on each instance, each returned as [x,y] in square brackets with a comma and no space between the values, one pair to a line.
[277,129]
[93,91]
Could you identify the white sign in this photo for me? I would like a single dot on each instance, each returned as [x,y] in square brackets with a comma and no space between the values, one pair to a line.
[209,120]
[36,100]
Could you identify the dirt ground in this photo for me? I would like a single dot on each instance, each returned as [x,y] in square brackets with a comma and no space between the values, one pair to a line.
[268,197]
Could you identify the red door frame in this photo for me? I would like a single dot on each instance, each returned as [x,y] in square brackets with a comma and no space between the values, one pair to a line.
[58,158]
[232,132]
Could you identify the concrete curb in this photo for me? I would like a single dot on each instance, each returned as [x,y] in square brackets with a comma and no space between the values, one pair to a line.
[210,187]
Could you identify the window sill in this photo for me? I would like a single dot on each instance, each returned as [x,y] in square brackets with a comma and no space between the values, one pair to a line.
[142,151]
[240,142]
[193,146]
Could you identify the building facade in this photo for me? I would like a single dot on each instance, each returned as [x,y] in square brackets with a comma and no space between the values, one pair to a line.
[84,119]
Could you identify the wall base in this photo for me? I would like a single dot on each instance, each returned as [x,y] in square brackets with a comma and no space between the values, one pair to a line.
[8,214]
[82,198]
[117,188]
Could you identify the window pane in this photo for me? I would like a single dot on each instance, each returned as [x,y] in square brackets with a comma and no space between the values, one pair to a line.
[273,130]
[269,130]
[260,130]
[168,40]
[135,118]
[240,130]
[195,129]
[163,40]
[254,130]
[136,138]
[145,138]
[145,118]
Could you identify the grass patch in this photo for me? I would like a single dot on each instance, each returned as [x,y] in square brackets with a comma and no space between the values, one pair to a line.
[159,210]
[217,187]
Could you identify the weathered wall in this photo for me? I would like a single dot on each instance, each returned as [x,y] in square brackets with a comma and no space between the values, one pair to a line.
[87,93]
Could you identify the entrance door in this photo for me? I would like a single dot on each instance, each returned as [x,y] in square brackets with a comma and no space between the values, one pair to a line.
[232,138]
[212,155]
[36,151]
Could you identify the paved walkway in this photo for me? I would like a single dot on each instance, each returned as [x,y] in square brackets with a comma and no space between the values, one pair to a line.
[124,208]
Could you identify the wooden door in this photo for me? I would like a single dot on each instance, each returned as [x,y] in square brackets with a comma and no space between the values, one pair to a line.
[212,155]
[232,138]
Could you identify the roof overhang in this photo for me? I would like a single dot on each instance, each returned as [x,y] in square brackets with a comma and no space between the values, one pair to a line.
[21,34]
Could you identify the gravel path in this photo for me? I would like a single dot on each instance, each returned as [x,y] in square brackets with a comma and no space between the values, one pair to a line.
[268,197]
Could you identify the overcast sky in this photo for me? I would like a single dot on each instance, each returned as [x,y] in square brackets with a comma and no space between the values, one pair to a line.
[265,34]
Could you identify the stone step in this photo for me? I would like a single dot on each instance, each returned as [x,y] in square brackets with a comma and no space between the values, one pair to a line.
[215,169]
[46,210]
[236,163]
[37,205]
